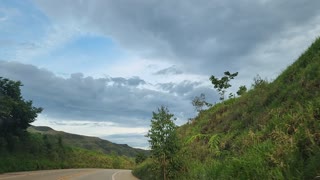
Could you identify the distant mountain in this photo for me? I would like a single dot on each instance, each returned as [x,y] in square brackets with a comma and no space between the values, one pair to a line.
[89,143]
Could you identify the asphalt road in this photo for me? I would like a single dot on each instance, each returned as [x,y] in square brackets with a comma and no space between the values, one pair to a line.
[71,174]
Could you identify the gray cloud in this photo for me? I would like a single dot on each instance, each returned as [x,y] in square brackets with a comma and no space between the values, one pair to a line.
[172,70]
[117,100]
[134,81]
[180,89]
[205,37]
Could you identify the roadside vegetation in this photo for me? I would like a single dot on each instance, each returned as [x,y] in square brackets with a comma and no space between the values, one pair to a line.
[21,150]
[270,131]
[38,152]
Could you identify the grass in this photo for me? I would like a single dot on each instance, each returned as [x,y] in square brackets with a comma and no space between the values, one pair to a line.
[270,132]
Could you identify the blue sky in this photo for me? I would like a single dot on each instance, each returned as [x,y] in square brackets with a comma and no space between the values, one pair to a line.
[31,37]
[22,24]
[91,51]
[103,66]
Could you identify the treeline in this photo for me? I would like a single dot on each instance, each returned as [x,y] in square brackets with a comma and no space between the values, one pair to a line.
[20,150]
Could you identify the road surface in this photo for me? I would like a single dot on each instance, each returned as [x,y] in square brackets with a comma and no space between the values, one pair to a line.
[71,174]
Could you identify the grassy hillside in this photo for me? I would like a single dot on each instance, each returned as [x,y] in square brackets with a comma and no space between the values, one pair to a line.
[35,151]
[44,148]
[271,132]
[89,143]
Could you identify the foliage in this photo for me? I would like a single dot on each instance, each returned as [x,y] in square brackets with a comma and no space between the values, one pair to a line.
[148,170]
[163,141]
[258,81]
[270,132]
[197,137]
[16,114]
[212,142]
[37,152]
[223,84]
[199,102]
[140,157]
[242,90]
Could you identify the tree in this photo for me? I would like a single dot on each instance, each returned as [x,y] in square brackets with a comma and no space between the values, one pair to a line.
[199,102]
[16,114]
[163,140]
[242,90]
[222,84]
[258,81]
[140,157]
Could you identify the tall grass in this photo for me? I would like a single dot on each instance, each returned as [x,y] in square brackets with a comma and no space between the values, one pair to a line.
[270,132]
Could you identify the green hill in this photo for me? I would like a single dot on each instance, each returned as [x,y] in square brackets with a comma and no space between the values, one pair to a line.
[35,151]
[270,132]
[89,143]
[44,148]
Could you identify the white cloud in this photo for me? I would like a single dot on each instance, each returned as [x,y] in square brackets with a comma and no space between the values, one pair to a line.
[55,37]
[88,127]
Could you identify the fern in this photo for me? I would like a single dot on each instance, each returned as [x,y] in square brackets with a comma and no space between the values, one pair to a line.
[196,137]
[214,142]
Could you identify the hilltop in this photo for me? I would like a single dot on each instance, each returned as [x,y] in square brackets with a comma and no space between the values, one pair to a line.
[89,143]
[270,132]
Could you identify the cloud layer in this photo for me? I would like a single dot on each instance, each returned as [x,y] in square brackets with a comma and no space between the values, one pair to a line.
[203,36]
[134,56]
[124,101]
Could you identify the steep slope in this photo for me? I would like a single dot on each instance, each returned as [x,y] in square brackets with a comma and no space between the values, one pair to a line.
[89,143]
[271,132]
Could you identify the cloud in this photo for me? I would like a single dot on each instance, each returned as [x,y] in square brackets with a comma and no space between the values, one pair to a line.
[105,107]
[124,101]
[203,37]
[181,88]
[133,81]
[172,70]
[106,130]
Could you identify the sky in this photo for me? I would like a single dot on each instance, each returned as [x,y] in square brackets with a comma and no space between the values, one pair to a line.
[101,67]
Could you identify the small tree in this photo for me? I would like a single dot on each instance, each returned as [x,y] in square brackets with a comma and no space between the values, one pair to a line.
[199,102]
[258,81]
[163,140]
[242,90]
[223,84]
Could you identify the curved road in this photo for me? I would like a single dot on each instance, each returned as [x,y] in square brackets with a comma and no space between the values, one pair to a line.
[71,174]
